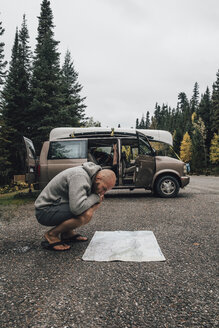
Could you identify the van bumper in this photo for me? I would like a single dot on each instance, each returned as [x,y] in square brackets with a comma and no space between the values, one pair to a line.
[184,181]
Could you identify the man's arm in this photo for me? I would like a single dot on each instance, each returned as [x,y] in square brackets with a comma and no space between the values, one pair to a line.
[79,200]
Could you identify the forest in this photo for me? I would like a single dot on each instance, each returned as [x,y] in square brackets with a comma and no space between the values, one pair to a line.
[37,94]
[194,124]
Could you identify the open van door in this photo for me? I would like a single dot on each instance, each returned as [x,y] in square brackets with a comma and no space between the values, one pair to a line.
[31,162]
[145,163]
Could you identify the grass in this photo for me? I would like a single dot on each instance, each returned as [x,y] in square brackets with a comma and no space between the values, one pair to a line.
[20,197]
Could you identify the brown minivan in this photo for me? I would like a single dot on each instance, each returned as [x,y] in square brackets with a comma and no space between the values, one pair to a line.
[128,152]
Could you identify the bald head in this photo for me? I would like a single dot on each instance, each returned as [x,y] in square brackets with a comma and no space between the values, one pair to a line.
[107,176]
[104,181]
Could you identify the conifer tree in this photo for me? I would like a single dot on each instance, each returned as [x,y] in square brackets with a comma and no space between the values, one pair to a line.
[16,97]
[186,148]
[147,120]
[142,123]
[72,110]
[3,63]
[199,153]
[177,139]
[25,57]
[204,111]
[5,164]
[6,169]
[183,119]
[10,111]
[195,98]
[215,106]
[46,80]
[153,123]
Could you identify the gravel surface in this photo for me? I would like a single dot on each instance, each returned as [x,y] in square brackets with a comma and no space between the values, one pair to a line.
[40,288]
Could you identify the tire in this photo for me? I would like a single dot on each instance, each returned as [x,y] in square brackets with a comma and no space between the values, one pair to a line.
[167,186]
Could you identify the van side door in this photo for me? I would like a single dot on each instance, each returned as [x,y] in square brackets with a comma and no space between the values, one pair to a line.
[145,164]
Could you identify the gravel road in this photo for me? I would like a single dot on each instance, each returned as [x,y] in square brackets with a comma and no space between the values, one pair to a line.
[45,289]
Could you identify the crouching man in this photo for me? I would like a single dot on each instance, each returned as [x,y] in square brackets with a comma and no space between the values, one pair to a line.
[69,201]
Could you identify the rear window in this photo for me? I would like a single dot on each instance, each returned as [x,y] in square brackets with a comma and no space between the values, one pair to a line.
[69,149]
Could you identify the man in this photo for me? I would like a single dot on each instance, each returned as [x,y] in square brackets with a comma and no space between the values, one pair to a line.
[69,201]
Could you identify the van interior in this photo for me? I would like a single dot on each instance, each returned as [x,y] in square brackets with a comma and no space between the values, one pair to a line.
[117,156]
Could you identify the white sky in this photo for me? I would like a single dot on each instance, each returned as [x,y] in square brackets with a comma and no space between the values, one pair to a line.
[130,54]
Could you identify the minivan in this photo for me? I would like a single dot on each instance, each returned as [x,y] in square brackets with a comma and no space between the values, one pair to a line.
[139,158]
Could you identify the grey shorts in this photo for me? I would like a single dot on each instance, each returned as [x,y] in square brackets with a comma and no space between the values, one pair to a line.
[53,215]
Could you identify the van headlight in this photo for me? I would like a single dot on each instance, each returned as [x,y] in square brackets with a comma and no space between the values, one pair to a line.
[185,169]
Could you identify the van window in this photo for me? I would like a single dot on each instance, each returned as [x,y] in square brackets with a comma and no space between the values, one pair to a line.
[69,149]
[144,147]
[163,149]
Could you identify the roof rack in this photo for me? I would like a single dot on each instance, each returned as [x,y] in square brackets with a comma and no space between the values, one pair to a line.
[92,132]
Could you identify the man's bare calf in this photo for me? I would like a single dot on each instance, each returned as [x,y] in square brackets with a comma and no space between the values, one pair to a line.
[66,228]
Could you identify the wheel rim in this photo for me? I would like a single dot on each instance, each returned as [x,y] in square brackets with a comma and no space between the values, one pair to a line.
[168,187]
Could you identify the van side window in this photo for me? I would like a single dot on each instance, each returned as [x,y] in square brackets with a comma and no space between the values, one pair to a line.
[69,149]
[144,147]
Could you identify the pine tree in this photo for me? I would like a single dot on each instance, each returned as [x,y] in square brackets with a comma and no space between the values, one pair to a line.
[153,123]
[72,111]
[157,116]
[46,80]
[16,97]
[214,149]
[195,98]
[142,123]
[184,114]
[186,148]
[204,111]
[25,57]
[199,152]
[6,169]
[3,63]
[10,111]
[4,142]
[215,106]
[147,120]
[177,139]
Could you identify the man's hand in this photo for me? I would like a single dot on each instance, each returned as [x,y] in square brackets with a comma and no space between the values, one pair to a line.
[97,205]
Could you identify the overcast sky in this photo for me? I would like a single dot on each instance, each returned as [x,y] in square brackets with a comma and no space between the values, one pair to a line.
[130,54]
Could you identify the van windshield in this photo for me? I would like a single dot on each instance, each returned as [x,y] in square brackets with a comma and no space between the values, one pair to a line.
[69,149]
[163,149]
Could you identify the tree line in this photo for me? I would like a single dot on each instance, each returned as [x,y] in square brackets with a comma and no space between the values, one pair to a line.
[37,93]
[194,124]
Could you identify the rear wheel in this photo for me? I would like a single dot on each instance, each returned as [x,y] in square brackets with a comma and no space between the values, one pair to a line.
[167,186]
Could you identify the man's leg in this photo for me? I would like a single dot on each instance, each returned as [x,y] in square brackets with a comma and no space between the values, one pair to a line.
[67,227]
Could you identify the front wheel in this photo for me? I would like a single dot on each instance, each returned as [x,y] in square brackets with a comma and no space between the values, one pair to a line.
[167,186]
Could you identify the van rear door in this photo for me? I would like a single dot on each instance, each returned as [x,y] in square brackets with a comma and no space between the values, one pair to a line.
[31,162]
